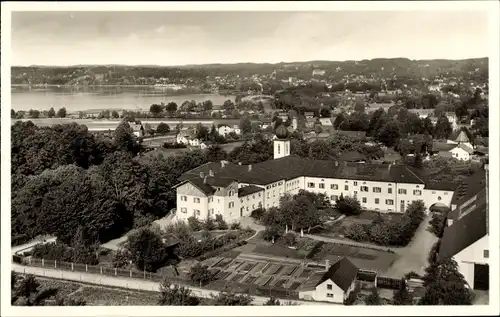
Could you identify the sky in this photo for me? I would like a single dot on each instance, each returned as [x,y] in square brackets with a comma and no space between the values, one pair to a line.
[180,38]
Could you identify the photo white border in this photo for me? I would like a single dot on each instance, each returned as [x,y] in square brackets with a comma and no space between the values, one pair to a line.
[492,7]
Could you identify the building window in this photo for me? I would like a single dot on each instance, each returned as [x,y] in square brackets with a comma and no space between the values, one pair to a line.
[241,201]
[231,204]
[253,196]
[184,210]
[417,192]
[377,189]
[377,201]
[279,149]
[402,191]
[334,197]
[196,200]
[363,199]
[321,185]
[439,198]
[486,254]
[389,190]
[334,186]
[433,192]
[253,206]
[259,194]
[184,198]
[310,185]
[346,187]
[364,188]
[355,183]
[329,286]
[389,202]
[197,212]
[329,295]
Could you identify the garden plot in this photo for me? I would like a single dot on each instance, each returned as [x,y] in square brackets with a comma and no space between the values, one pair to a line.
[294,286]
[273,269]
[238,277]
[212,261]
[222,275]
[305,273]
[247,267]
[288,270]
[250,279]
[259,267]
[280,283]
[235,265]
[223,263]
[263,281]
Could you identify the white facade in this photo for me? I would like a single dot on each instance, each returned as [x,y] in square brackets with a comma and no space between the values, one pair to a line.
[327,291]
[477,253]
[224,130]
[460,154]
[281,148]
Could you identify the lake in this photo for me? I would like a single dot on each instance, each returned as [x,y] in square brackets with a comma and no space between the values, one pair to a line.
[96,98]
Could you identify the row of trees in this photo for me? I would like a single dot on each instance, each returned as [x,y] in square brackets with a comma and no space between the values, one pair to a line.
[35,114]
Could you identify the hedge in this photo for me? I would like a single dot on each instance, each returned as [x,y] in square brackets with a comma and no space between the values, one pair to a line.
[221,250]
[317,247]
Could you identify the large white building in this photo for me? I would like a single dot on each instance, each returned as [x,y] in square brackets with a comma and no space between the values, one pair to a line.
[466,237]
[221,187]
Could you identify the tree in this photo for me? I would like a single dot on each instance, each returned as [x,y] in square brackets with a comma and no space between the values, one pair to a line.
[171,107]
[417,160]
[34,114]
[147,250]
[194,223]
[402,296]
[200,274]
[445,285]
[175,295]
[437,223]
[245,125]
[348,206]
[125,139]
[325,112]
[26,292]
[61,113]
[389,134]
[51,113]
[221,223]
[443,128]
[207,105]
[373,298]
[427,126]
[318,129]
[229,299]
[84,247]
[202,132]
[115,114]
[162,128]
[272,302]
[339,119]
[155,109]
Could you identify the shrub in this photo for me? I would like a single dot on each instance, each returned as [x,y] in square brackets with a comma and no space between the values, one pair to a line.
[257,213]
[235,226]
[194,223]
[121,258]
[53,251]
[221,223]
[357,232]
[349,206]
[209,224]
[289,239]
[17,259]
[271,233]
[438,223]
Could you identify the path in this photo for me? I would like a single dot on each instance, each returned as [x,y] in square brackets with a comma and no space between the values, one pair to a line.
[414,256]
[349,242]
[28,246]
[250,222]
[129,283]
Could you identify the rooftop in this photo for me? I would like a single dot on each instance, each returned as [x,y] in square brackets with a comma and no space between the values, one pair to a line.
[342,273]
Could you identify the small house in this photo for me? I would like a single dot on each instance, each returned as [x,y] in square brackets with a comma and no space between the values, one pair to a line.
[335,285]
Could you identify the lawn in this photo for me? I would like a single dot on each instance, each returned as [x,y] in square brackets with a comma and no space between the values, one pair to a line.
[302,248]
[364,258]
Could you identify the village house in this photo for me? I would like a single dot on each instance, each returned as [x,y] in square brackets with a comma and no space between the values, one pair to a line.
[466,237]
[383,187]
[334,286]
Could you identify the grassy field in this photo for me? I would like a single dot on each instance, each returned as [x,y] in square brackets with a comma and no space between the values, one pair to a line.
[103,296]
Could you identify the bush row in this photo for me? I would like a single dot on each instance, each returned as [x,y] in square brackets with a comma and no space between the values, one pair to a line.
[221,250]
[317,247]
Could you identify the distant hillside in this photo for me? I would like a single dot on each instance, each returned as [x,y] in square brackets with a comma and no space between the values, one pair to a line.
[334,70]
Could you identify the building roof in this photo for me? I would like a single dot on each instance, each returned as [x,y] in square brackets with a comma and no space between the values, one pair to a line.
[465,231]
[469,187]
[442,146]
[248,190]
[464,147]
[482,149]
[290,167]
[208,184]
[462,137]
[342,273]
[351,134]
[352,156]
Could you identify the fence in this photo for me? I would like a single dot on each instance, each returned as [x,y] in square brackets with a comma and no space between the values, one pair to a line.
[389,283]
[216,285]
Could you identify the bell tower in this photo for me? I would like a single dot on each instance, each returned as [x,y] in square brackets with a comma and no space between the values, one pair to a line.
[281,143]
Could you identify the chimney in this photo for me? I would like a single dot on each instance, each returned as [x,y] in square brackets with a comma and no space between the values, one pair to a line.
[204,180]
[250,167]
[327,265]
[211,173]
[202,175]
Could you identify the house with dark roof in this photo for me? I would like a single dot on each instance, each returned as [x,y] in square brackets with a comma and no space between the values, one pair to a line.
[216,187]
[335,285]
[466,237]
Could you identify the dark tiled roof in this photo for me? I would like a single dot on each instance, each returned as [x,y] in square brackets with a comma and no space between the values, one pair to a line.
[440,185]
[248,190]
[342,273]
[442,146]
[198,182]
[352,156]
[469,187]
[465,231]
[229,170]
[352,134]
[207,184]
